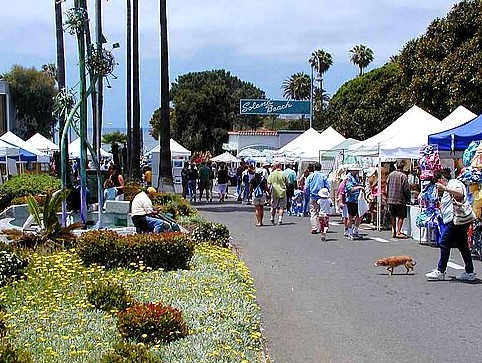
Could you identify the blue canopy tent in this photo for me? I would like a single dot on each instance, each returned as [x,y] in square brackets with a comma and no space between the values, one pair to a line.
[458,138]
[22,155]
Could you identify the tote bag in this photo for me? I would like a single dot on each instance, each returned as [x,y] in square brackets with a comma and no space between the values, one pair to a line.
[463,213]
[362,204]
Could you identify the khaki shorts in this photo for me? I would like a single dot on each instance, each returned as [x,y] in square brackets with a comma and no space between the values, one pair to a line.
[278,203]
[259,200]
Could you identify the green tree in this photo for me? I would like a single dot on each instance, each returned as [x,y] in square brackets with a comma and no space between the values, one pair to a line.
[115,139]
[442,67]
[367,104]
[33,95]
[207,107]
[361,56]
[297,87]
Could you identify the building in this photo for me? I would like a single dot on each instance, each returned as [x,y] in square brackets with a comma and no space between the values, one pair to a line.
[259,140]
[7,109]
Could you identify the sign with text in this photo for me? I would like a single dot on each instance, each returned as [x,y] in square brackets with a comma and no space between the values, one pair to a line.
[270,107]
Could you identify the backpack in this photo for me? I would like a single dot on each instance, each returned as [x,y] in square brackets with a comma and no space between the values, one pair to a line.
[258,192]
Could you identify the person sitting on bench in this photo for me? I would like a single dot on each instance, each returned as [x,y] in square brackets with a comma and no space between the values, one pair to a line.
[143,213]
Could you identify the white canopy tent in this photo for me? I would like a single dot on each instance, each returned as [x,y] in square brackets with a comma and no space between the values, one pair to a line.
[13,139]
[307,146]
[402,139]
[456,118]
[74,150]
[225,157]
[176,149]
[42,143]
[250,152]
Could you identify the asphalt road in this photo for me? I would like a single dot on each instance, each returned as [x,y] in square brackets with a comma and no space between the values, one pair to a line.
[326,302]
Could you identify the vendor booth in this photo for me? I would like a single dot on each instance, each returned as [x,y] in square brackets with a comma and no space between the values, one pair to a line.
[179,155]
[43,144]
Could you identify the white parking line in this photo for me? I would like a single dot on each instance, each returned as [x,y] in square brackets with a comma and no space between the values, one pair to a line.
[455,266]
[378,239]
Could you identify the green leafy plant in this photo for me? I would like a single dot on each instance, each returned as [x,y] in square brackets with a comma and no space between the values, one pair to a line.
[169,251]
[152,323]
[109,296]
[50,232]
[26,184]
[10,354]
[213,233]
[129,353]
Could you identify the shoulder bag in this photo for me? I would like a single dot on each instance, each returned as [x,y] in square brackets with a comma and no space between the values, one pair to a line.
[463,213]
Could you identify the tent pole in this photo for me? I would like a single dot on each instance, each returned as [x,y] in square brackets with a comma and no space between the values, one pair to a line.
[379,194]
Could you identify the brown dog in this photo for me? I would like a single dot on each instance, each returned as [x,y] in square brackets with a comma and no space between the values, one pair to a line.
[394,261]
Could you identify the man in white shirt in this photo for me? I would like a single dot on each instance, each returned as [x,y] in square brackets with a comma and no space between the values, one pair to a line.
[142,212]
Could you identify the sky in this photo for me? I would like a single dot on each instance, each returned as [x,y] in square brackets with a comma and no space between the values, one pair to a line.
[261,42]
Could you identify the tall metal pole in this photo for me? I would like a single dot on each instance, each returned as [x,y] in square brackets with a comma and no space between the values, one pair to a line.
[311,97]
[100,101]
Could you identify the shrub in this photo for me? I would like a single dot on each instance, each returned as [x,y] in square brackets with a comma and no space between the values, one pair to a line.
[129,353]
[152,323]
[109,296]
[9,354]
[173,204]
[169,251]
[25,184]
[213,233]
[131,189]
[103,247]
[11,266]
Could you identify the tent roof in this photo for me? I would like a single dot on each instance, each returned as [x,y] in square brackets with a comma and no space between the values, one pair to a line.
[74,150]
[402,139]
[26,151]
[308,145]
[42,143]
[338,147]
[176,149]
[456,118]
[458,138]
[225,157]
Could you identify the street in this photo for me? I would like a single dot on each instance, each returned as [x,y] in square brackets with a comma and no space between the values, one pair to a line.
[327,302]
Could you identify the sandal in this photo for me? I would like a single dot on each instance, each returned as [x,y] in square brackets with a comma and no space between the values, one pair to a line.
[401,236]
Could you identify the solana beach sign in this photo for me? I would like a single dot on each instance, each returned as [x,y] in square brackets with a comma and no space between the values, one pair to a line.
[266,107]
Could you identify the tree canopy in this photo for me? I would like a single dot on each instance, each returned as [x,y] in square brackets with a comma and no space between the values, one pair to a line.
[33,93]
[206,107]
[438,72]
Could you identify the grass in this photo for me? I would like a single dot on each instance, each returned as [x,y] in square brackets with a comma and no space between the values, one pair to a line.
[48,313]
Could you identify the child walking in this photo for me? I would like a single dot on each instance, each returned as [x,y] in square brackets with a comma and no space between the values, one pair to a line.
[325,204]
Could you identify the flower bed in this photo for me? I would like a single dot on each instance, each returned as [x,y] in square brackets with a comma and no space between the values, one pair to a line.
[48,313]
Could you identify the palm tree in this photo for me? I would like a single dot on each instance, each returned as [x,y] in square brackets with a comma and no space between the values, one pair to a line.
[129,87]
[361,56]
[136,107]
[297,87]
[320,61]
[165,181]
[114,139]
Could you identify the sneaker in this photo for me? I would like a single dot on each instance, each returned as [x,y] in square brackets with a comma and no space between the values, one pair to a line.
[346,233]
[466,276]
[271,220]
[314,231]
[435,275]
[323,237]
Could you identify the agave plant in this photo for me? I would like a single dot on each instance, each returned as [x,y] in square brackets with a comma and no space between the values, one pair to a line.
[50,232]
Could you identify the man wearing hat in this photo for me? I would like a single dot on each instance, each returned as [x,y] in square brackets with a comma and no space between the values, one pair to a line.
[314,183]
[353,187]
[143,213]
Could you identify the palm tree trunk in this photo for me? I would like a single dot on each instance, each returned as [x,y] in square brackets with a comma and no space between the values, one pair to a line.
[130,142]
[136,108]
[61,81]
[165,182]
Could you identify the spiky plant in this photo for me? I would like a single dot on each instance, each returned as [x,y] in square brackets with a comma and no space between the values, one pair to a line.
[50,233]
